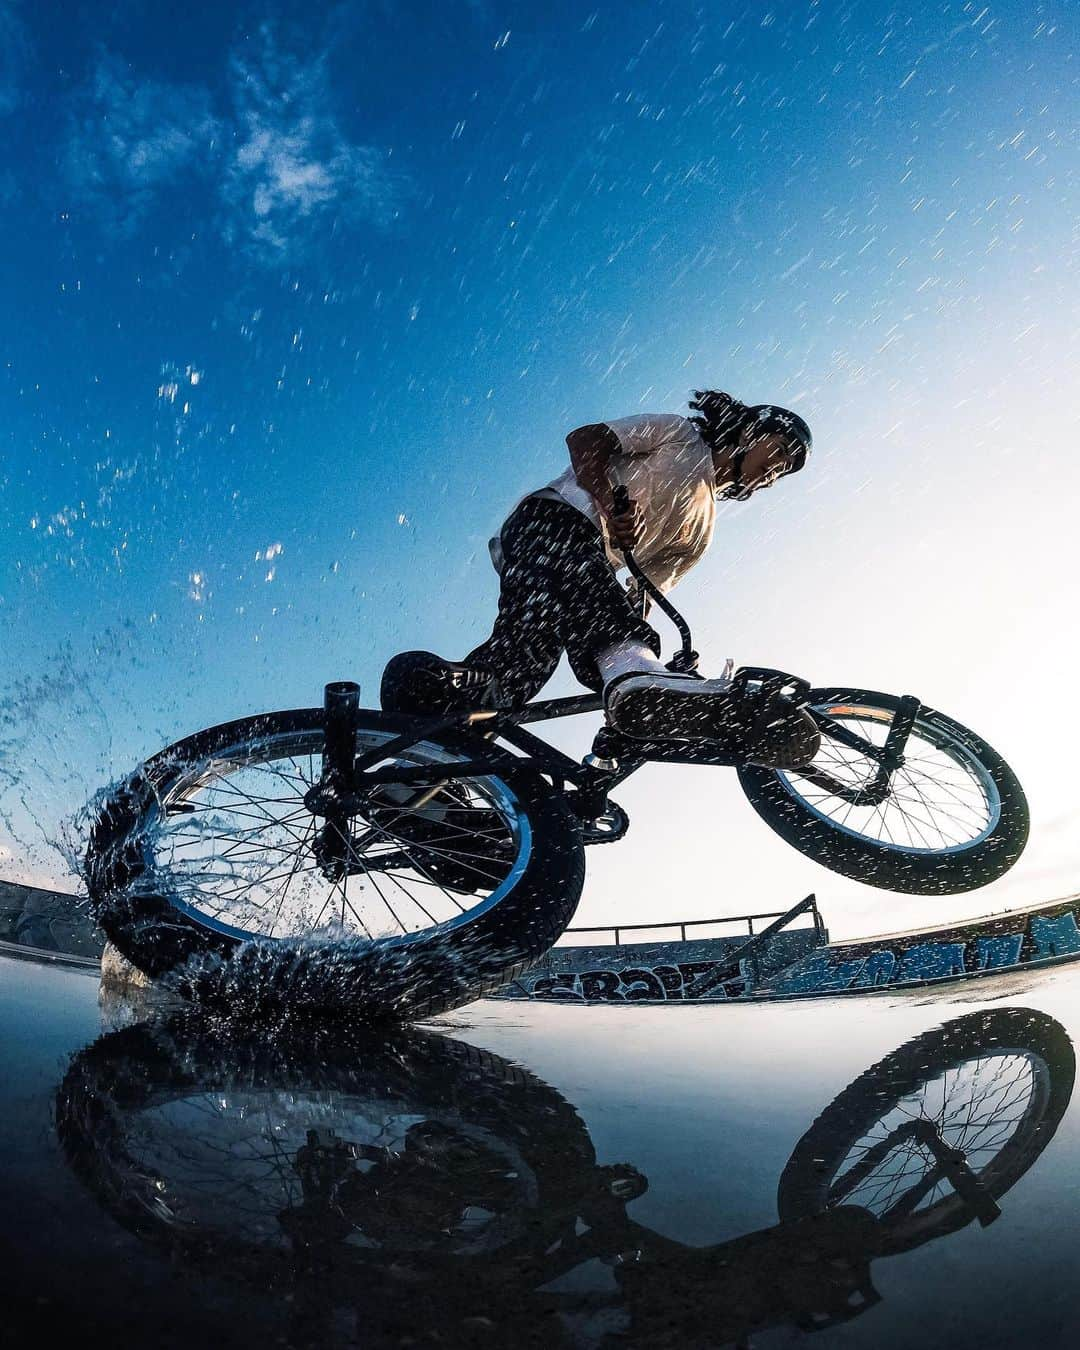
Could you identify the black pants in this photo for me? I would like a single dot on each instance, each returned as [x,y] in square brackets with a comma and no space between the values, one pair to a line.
[559,593]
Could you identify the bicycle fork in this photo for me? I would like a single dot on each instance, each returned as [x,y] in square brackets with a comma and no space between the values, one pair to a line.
[889,756]
[335,797]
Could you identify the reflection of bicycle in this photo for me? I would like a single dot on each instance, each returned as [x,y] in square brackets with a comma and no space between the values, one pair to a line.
[937,1131]
[248,1145]
[476,1185]
[447,849]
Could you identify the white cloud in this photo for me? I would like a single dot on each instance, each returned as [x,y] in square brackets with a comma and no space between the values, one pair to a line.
[285,174]
[294,175]
[130,138]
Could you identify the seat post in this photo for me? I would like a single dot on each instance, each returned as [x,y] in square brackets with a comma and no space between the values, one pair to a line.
[341,701]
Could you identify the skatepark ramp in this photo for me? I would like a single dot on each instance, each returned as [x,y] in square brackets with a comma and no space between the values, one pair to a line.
[792,962]
[670,964]
[773,955]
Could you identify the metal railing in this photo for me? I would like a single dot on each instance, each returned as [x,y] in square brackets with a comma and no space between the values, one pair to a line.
[808,906]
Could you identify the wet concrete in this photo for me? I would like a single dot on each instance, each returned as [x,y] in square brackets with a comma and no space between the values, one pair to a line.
[889,1171]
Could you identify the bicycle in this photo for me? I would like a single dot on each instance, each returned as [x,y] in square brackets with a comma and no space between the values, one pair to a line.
[442,854]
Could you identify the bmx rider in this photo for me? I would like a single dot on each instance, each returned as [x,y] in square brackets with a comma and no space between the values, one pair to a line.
[560,549]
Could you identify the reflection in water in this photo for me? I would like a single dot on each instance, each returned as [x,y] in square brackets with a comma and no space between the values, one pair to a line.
[929,1137]
[383,1188]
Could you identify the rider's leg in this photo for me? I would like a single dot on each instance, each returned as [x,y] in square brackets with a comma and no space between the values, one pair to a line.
[641,696]
[611,647]
[624,657]
[558,591]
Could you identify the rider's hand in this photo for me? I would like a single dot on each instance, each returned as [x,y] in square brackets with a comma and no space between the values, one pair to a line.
[627,527]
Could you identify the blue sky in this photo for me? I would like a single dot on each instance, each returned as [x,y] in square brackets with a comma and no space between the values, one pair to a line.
[300,299]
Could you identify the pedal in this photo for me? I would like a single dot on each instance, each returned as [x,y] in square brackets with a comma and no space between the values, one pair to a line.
[607,828]
[771,684]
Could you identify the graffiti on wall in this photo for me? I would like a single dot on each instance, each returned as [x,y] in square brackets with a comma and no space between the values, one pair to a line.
[634,984]
[1039,937]
[993,944]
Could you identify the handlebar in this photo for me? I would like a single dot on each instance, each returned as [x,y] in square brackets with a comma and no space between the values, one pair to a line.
[685,660]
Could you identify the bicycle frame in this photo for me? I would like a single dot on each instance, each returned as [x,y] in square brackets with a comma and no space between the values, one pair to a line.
[613,758]
[348,777]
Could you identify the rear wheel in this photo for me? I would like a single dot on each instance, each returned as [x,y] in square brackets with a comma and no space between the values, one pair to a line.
[955,816]
[443,895]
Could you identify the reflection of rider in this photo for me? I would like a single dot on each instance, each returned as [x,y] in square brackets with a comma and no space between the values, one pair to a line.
[322,1164]
[423,1192]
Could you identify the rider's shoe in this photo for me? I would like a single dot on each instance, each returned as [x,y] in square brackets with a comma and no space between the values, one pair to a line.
[422,682]
[648,705]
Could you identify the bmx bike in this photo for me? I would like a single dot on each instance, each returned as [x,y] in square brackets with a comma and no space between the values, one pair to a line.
[444,852]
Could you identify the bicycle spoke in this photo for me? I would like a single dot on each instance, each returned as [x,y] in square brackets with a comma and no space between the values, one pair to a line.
[936,801]
[246,851]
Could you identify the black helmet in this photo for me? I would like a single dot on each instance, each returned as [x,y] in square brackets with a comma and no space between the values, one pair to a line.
[767,419]
[784,422]
[722,420]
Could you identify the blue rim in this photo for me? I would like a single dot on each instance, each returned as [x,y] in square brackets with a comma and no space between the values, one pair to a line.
[521,827]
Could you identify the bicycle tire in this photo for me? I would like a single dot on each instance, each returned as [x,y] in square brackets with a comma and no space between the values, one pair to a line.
[910,871]
[414,975]
[807,1180]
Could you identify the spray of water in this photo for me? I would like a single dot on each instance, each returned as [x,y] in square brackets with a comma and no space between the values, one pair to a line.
[282,983]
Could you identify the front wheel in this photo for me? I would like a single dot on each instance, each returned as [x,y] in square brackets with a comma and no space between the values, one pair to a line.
[954,818]
[210,850]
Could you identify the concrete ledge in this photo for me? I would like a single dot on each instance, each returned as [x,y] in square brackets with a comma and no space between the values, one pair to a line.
[51,921]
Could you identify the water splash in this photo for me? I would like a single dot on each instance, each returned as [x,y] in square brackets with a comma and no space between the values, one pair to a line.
[282,983]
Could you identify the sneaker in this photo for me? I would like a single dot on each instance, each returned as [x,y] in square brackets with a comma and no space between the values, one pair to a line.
[771,733]
[421,682]
[650,706]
